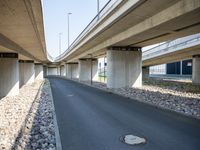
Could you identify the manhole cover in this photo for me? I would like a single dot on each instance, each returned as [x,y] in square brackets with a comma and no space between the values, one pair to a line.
[133,140]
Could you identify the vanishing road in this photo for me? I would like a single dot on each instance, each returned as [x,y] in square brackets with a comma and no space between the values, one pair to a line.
[91,119]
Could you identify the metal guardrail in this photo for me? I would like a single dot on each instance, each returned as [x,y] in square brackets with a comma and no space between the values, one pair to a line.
[172,46]
[110,4]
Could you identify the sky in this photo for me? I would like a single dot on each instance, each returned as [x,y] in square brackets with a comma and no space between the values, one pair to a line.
[55,21]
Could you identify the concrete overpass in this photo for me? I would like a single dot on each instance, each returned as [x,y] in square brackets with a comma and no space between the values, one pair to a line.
[172,51]
[123,28]
[118,31]
[22,44]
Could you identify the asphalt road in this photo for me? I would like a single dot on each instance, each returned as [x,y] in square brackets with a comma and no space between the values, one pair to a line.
[91,119]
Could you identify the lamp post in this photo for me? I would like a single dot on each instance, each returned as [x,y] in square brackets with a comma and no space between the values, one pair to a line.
[98,9]
[68,27]
[60,43]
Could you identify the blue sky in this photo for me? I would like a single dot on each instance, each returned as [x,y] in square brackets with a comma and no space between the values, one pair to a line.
[55,20]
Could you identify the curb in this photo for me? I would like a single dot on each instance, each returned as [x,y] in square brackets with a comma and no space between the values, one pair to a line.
[57,133]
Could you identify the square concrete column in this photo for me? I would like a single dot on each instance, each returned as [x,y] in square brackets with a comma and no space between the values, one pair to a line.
[45,71]
[72,70]
[62,70]
[9,74]
[58,71]
[39,73]
[52,71]
[145,72]
[124,67]
[196,70]
[29,72]
[21,73]
[88,69]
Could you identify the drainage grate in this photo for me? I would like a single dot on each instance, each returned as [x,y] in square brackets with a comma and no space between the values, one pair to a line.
[132,139]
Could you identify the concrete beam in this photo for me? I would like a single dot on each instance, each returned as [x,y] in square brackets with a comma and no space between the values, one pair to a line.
[9,76]
[124,67]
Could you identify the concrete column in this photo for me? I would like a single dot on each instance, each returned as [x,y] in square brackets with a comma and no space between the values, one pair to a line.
[45,71]
[88,69]
[9,74]
[21,73]
[39,74]
[69,70]
[27,72]
[52,71]
[145,72]
[124,67]
[72,70]
[58,71]
[75,71]
[196,70]
[62,70]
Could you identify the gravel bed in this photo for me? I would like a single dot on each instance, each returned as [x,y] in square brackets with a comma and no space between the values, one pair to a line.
[26,120]
[180,97]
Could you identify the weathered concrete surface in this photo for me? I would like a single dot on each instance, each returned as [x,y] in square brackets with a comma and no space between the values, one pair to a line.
[88,69]
[124,68]
[9,77]
[39,73]
[196,70]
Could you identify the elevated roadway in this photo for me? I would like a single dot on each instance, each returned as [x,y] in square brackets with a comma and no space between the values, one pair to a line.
[122,28]
[22,29]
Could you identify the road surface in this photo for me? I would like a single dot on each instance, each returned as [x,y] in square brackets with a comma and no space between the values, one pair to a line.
[91,119]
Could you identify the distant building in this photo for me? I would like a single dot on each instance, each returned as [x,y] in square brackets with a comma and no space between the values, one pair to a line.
[177,68]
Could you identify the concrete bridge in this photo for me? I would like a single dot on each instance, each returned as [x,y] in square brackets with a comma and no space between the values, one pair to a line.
[120,33]
[121,29]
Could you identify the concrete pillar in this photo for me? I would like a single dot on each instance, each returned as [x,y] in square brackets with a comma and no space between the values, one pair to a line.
[196,70]
[124,67]
[9,74]
[29,72]
[52,71]
[72,71]
[145,72]
[62,70]
[21,73]
[58,71]
[45,71]
[39,73]
[88,69]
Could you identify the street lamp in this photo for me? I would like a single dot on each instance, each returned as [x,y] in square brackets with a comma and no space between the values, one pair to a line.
[68,27]
[98,9]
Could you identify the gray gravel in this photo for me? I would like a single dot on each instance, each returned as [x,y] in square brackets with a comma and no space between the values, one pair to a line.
[26,120]
[179,97]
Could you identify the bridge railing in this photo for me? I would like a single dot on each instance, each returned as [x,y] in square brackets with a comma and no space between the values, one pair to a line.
[171,46]
[102,13]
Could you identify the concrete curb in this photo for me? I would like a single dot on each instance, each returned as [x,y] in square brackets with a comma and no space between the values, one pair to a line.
[143,102]
[57,133]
